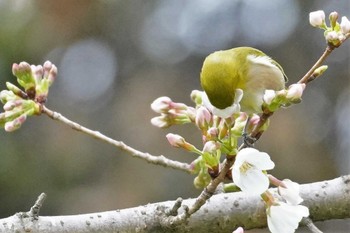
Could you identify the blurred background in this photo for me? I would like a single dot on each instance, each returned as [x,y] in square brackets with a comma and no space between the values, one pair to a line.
[115,57]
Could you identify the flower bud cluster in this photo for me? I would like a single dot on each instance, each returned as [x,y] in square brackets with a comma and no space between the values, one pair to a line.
[18,103]
[336,33]
[220,135]
[274,100]
[171,113]
[35,80]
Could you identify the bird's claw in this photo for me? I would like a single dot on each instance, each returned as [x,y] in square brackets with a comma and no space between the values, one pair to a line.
[248,140]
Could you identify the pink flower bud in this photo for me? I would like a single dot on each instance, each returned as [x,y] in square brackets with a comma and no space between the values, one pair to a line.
[175,140]
[317,18]
[161,104]
[6,95]
[211,147]
[191,113]
[12,104]
[160,121]
[9,127]
[47,67]
[203,118]
[249,126]
[178,106]
[25,78]
[19,69]
[213,132]
[15,124]
[50,72]
[345,25]
[37,72]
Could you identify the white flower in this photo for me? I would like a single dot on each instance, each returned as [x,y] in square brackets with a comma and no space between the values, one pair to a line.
[227,112]
[290,193]
[345,25]
[247,171]
[316,18]
[285,218]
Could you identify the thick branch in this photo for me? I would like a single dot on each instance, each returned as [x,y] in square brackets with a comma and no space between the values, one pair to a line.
[222,213]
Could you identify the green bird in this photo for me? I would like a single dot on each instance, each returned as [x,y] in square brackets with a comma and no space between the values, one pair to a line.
[235,80]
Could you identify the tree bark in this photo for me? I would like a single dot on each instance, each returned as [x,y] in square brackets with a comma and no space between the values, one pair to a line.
[222,213]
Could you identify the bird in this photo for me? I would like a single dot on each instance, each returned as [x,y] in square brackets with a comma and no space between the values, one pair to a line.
[235,80]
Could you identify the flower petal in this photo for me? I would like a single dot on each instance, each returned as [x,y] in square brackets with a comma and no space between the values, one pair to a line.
[345,25]
[161,104]
[239,230]
[285,218]
[290,193]
[316,18]
[253,181]
[260,160]
[269,96]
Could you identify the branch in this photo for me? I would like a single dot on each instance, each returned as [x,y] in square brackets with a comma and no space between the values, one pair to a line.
[223,213]
[205,195]
[318,63]
[157,160]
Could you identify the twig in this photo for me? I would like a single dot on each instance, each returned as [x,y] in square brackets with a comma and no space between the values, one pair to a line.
[157,160]
[318,63]
[211,188]
[256,133]
[329,49]
[27,219]
[308,77]
[205,195]
[34,211]
[174,211]
[309,223]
